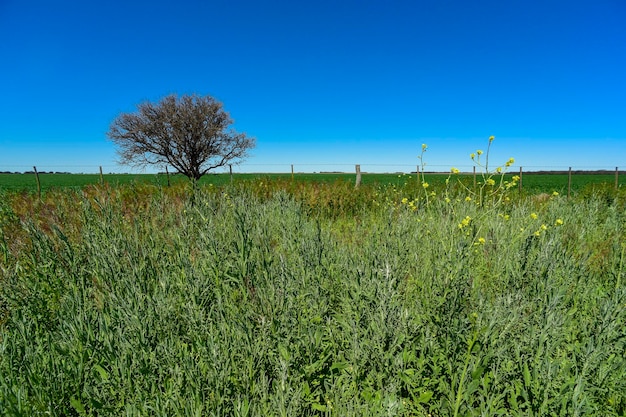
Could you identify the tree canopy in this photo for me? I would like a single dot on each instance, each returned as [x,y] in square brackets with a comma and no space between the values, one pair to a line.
[191,133]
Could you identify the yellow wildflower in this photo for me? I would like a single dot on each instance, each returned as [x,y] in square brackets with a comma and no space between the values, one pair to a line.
[472,155]
[533,216]
[491,138]
[465,222]
[558,222]
[425,184]
[424,146]
[405,200]
[454,170]
[490,181]
[555,194]
[481,240]
[479,152]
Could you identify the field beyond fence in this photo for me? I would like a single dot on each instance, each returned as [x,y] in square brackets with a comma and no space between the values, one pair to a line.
[564,182]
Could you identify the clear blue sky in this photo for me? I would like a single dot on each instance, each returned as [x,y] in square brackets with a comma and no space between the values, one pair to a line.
[322,82]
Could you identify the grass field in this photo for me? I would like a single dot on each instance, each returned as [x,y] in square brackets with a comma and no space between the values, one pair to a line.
[532,182]
[272,297]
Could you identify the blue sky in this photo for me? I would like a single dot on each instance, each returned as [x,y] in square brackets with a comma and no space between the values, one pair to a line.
[323,85]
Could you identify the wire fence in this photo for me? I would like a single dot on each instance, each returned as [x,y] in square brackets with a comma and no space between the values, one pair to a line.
[302,168]
[533,178]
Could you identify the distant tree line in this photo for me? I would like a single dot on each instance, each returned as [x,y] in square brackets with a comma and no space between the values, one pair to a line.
[33,172]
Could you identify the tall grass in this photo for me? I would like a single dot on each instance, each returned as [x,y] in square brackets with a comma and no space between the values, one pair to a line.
[293,299]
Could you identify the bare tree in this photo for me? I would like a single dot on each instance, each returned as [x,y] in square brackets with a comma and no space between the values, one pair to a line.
[190,133]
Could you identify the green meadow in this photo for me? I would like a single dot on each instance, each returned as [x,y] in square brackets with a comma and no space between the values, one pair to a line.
[278,297]
[532,182]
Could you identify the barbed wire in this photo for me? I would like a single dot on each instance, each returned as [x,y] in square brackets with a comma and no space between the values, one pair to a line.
[349,167]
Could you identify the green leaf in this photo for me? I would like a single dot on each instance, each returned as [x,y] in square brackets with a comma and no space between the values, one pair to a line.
[425,397]
[78,405]
[104,375]
[339,365]
[284,353]
[526,375]
[318,407]
[478,372]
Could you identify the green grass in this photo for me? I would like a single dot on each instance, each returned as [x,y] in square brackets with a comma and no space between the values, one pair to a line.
[278,298]
[532,182]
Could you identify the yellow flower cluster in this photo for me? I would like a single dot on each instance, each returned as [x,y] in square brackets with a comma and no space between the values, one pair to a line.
[465,222]
[513,183]
[410,204]
[541,229]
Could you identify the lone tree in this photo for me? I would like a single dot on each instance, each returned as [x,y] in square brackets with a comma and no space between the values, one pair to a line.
[190,133]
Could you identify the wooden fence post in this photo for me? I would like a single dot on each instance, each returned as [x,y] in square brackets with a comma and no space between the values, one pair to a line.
[616,178]
[291,172]
[38,182]
[569,182]
[230,167]
[101,177]
[474,174]
[358,176]
[520,179]
[418,176]
[167,174]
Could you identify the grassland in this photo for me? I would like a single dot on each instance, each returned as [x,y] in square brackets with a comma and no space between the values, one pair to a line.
[272,297]
[533,183]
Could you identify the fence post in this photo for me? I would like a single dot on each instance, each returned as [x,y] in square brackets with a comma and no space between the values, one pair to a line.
[569,182]
[101,177]
[358,176]
[418,175]
[474,174]
[616,178]
[167,174]
[291,172]
[520,180]
[230,167]
[38,182]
